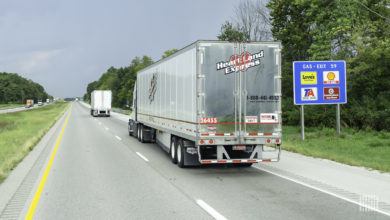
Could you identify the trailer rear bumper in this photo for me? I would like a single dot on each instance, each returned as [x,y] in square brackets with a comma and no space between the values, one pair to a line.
[238,161]
[100,112]
[226,154]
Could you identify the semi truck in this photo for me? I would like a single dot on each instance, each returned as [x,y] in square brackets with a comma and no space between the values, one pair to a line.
[101,103]
[212,102]
[29,103]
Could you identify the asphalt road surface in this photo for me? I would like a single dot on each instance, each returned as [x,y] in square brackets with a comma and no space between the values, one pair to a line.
[100,172]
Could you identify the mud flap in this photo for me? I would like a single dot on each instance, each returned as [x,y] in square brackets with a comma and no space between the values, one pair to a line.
[191,157]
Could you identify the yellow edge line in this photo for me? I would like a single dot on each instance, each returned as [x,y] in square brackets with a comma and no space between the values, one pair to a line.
[35,201]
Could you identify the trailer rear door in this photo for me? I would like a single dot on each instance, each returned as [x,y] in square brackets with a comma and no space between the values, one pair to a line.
[240,89]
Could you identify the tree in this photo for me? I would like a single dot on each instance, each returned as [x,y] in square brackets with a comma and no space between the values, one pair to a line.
[253,17]
[120,81]
[167,53]
[230,33]
[16,89]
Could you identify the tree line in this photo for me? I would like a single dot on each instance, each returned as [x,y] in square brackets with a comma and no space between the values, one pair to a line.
[16,89]
[312,30]
[351,30]
[121,81]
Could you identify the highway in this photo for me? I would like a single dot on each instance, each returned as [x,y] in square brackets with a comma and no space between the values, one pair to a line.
[8,110]
[100,172]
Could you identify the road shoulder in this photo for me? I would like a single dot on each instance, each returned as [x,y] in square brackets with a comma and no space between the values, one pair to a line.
[19,184]
[353,183]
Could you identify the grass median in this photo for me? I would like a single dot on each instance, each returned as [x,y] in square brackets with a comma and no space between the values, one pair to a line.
[21,131]
[366,148]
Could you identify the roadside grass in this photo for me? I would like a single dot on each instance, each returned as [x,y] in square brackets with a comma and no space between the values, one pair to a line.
[10,105]
[21,131]
[366,148]
[128,112]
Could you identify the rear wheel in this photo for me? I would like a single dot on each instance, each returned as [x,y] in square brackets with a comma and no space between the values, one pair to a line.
[172,150]
[139,132]
[180,153]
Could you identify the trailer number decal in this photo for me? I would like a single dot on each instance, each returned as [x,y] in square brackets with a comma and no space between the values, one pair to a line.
[243,62]
[208,120]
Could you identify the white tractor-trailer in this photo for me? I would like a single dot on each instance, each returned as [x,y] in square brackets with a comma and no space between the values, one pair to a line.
[101,103]
[212,102]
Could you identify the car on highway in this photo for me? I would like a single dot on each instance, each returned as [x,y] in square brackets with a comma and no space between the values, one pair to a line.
[40,103]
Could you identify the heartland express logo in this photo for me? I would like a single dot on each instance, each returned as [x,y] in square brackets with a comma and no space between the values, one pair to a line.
[153,87]
[243,62]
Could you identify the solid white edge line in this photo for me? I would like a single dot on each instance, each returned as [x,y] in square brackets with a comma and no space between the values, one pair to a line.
[117,137]
[142,156]
[210,210]
[323,191]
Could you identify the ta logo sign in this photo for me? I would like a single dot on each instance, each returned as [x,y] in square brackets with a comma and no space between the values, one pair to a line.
[309,94]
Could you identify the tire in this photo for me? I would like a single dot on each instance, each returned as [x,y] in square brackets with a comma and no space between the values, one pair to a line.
[135,131]
[130,133]
[173,150]
[180,153]
[142,134]
[138,132]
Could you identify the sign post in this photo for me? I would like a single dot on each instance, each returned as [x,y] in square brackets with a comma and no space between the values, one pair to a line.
[302,124]
[318,83]
[338,118]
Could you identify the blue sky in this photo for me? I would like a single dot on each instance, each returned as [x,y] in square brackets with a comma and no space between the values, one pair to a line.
[66,44]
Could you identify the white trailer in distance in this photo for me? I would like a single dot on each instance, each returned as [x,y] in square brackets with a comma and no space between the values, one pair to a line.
[212,102]
[101,103]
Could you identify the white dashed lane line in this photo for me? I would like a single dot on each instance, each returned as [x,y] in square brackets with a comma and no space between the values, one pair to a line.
[106,128]
[210,210]
[117,137]
[142,156]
